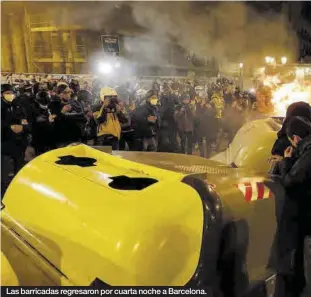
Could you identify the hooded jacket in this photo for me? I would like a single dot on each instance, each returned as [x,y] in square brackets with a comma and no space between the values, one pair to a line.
[108,121]
[296,176]
[300,109]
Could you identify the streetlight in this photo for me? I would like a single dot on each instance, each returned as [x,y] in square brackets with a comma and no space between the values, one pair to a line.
[284,60]
[104,68]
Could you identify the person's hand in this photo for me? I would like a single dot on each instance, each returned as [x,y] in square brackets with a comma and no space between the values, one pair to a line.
[89,114]
[118,108]
[87,109]
[288,152]
[52,118]
[152,119]
[66,108]
[17,128]
[275,158]
[24,122]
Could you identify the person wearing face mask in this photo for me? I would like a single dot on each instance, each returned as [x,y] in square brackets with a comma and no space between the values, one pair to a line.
[14,132]
[146,122]
[41,123]
[68,116]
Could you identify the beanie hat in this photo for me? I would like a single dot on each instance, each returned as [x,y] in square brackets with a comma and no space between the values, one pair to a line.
[7,87]
[299,109]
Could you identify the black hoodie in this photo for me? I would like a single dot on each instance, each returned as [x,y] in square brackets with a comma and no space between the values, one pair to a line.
[300,109]
[296,175]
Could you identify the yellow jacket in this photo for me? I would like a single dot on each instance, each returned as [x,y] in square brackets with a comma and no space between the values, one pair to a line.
[110,127]
[219,105]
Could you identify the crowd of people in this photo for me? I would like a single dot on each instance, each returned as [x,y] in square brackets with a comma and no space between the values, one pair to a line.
[169,117]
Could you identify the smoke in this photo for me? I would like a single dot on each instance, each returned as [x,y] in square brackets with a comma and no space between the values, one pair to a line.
[227,31]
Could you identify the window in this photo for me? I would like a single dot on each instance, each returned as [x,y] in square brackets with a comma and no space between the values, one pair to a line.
[80,45]
[41,44]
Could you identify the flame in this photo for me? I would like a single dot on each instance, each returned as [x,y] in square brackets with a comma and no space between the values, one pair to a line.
[286,94]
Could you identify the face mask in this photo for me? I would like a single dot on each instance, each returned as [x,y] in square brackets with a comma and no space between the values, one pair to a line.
[9,97]
[154,101]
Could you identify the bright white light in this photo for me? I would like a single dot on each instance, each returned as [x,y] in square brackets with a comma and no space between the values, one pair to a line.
[104,68]
[241,65]
[300,73]
[252,90]
[117,65]
[268,59]
[284,60]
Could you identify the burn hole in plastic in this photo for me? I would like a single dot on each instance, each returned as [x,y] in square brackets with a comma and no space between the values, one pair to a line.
[126,183]
[77,161]
[98,283]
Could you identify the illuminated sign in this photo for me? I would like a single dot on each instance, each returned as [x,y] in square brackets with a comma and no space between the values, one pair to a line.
[110,44]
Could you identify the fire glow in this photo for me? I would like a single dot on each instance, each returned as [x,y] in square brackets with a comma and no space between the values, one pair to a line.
[285,94]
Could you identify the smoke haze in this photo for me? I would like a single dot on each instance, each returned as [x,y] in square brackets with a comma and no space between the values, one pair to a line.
[225,30]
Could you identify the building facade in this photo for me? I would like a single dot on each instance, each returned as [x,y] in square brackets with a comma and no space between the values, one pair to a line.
[33,41]
[299,17]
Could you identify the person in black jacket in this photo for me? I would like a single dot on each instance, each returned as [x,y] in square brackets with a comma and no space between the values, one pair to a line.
[127,132]
[300,109]
[295,171]
[68,116]
[168,129]
[26,97]
[207,128]
[85,97]
[14,132]
[184,117]
[41,123]
[146,122]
